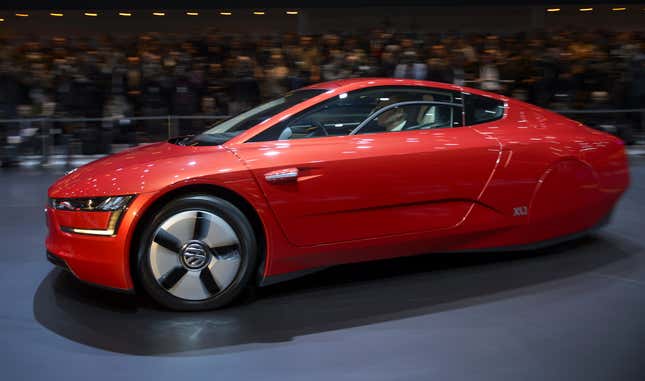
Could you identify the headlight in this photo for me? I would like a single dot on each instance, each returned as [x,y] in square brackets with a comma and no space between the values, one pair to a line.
[98,204]
[114,205]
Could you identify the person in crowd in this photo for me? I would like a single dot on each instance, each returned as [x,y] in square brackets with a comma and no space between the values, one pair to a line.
[410,66]
[164,73]
[489,78]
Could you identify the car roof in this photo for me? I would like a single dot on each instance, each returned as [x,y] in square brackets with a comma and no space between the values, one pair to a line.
[350,84]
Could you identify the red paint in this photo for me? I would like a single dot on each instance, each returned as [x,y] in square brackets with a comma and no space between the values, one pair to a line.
[370,196]
[83,220]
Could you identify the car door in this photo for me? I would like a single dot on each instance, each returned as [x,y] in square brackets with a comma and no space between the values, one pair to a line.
[327,187]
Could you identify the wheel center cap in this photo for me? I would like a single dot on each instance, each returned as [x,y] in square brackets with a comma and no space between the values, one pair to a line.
[194,255]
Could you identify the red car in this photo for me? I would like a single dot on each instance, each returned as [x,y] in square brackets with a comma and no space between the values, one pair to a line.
[338,172]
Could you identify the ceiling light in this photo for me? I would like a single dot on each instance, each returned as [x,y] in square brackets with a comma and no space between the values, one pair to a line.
[553,9]
[226,13]
[22,14]
[192,13]
[56,14]
[586,9]
[91,14]
[126,14]
[292,12]
[258,13]
[158,13]
[619,9]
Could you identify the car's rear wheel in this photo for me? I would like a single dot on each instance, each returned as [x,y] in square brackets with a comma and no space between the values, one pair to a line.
[198,252]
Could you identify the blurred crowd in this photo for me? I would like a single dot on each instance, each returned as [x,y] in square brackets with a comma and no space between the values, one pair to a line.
[216,74]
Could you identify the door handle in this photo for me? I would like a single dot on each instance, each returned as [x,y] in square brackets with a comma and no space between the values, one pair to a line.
[282,175]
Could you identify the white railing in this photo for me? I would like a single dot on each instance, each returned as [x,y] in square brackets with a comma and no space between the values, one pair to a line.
[52,141]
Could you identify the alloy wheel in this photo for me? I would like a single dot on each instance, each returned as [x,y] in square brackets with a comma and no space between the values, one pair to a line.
[194,255]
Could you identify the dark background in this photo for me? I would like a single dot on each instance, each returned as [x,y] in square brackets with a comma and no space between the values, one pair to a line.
[587,65]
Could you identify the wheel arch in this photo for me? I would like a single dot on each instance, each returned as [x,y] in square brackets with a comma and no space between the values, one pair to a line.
[204,188]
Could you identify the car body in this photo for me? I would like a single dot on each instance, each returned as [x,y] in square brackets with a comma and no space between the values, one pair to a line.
[456,169]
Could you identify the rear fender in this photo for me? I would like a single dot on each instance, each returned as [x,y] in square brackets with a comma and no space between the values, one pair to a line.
[566,199]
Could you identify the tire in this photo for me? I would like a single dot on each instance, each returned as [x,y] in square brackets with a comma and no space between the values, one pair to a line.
[198,252]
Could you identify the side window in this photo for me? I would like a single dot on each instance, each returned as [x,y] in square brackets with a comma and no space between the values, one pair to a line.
[341,115]
[482,109]
[334,117]
[416,116]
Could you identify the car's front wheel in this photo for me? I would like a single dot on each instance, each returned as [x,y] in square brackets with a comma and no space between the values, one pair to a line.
[198,252]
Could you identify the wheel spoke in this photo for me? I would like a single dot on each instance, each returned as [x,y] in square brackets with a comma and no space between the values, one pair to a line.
[224,270]
[181,225]
[167,240]
[208,281]
[162,260]
[190,287]
[220,233]
[172,277]
[202,225]
[225,251]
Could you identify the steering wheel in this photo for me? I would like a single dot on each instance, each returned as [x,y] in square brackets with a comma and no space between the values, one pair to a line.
[320,130]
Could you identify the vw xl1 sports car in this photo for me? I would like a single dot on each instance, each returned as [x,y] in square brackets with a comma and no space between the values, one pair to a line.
[345,171]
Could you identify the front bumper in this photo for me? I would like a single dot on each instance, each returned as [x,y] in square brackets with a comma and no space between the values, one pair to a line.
[99,260]
[56,261]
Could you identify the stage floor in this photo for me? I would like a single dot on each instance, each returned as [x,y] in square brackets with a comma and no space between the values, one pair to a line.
[575,311]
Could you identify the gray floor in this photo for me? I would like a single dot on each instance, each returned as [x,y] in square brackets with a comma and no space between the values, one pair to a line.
[576,311]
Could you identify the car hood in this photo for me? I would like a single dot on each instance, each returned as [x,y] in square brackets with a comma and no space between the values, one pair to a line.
[146,169]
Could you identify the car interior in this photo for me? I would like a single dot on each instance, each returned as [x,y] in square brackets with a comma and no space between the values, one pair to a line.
[342,116]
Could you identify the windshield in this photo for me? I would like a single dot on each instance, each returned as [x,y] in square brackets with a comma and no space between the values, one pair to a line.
[225,130]
[256,115]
